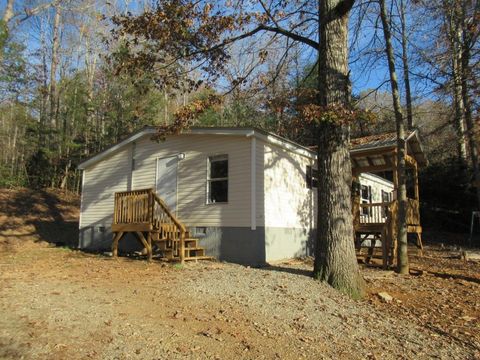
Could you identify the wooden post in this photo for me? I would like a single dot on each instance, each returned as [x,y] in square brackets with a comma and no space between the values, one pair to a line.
[182,246]
[145,243]
[149,241]
[116,239]
[385,236]
[415,175]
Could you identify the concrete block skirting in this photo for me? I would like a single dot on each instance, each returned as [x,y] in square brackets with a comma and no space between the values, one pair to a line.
[239,245]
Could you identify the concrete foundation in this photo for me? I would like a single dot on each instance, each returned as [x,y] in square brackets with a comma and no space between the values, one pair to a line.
[239,245]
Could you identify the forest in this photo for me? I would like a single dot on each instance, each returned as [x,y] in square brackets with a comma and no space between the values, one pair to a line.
[76,77]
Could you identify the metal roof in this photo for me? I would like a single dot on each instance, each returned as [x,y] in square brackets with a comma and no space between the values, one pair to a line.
[387,141]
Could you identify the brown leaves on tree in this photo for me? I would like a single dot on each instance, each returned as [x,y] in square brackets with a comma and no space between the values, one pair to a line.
[186,116]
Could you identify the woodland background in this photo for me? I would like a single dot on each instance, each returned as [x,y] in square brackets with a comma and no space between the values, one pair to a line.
[63,99]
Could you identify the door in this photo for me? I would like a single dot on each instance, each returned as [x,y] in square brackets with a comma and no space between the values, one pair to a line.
[166,181]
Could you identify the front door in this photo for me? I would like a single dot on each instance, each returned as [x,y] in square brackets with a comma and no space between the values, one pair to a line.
[166,181]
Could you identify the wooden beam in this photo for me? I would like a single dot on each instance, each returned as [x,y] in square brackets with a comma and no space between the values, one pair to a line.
[370,162]
[370,152]
[375,168]
[132,227]
[387,160]
[149,242]
[145,243]
[116,239]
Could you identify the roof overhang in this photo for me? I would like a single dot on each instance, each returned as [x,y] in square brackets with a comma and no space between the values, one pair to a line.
[366,151]
[220,131]
[380,155]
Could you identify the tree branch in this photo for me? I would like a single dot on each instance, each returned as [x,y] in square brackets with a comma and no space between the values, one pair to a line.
[290,35]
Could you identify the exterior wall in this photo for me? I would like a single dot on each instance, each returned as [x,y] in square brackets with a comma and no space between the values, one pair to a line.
[115,173]
[100,182]
[192,207]
[288,204]
[378,184]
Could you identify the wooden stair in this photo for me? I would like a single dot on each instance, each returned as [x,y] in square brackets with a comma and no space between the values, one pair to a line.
[146,215]
[170,249]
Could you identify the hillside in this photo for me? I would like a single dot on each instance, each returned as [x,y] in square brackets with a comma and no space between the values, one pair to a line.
[28,216]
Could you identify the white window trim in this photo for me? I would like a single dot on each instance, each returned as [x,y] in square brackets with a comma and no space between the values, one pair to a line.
[207,193]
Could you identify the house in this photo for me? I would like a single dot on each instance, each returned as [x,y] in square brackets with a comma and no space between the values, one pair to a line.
[244,193]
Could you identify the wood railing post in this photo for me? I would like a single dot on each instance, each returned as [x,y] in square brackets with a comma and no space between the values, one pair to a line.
[182,246]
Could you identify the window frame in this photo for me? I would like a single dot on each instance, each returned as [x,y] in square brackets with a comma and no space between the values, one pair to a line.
[217,157]
[365,211]
[311,177]
[388,196]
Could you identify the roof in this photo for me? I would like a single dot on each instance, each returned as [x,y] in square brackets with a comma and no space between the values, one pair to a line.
[374,141]
[387,141]
[225,131]
[381,141]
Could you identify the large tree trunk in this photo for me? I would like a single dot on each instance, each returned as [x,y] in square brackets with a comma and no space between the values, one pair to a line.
[402,258]
[335,260]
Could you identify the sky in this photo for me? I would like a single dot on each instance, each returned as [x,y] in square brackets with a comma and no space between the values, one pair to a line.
[365,73]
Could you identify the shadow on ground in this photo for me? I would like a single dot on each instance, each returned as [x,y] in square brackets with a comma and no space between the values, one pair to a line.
[46,215]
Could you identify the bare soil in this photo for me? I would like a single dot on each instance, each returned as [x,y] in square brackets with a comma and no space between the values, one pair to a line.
[59,303]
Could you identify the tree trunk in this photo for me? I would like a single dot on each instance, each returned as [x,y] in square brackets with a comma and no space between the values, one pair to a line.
[335,259]
[43,89]
[8,14]
[402,255]
[454,37]
[406,74]
[472,142]
[53,72]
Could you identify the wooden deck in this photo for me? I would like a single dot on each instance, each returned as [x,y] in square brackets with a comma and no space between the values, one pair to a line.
[144,214]
[378,222]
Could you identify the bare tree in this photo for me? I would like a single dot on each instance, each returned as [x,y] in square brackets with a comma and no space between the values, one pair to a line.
[402,258]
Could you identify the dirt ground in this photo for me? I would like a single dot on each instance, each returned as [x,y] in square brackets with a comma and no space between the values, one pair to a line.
[59,303]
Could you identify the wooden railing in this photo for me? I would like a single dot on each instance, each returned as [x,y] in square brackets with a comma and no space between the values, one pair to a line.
[168,226]
[374,213]
[133,207]
[144,210]
[377,213]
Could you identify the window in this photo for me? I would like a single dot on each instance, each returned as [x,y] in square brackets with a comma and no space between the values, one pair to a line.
[312,177]
[366,198]
[217,179]
[386,198]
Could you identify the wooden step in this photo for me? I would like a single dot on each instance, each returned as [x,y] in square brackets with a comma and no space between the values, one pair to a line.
[191,242]
[199,258]
[194,252]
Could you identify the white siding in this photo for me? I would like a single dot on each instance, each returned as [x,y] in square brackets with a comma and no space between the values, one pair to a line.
[288,200]
[378,184]
[192,176]
[113,174]
[100,182]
